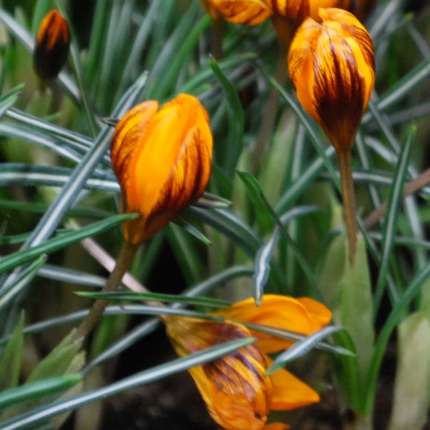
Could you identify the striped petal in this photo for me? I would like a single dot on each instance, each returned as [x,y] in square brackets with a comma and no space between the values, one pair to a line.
[332,69]
[235,389]
[162,159]
[249,12]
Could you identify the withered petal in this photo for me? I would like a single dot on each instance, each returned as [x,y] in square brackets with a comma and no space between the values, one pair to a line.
[234,387]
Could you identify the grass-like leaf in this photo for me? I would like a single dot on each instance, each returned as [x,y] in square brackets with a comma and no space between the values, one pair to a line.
[31,419]
[303,347]
[65,239]
[37,390]
[390,223]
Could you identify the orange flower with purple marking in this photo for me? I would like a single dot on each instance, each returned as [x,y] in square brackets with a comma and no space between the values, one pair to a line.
[52,45]
[162,159]
[252,12]
[331,66]
[237,392]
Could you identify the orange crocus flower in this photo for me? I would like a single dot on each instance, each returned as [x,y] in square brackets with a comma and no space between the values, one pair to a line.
[162,159]
[236,390]
[52,45]
[251,12]
[331,66]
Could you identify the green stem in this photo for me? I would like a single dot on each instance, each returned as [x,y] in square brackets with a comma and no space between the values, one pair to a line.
[348,195]
[284,28]
[269,115]
[123,262]
[217,36]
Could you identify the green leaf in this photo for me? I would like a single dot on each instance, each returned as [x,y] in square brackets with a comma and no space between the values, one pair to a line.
[381,344]
[347,289]
[229,224]
[390,221]
[356,305]
[9,99]
[262,265]
[311,128]
[303,347]
[63,240]
[264,213]
[168,298]
[11,290]
[58,361]
[29,420]
[11,358]
[412,374]
[37,390]
[184,50]
[236,121]
[402,87]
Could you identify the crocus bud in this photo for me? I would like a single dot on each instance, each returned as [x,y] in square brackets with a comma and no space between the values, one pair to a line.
[331,66]
[52,45]
[162,159]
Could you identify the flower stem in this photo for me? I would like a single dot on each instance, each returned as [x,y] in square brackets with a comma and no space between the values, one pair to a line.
[217,37]
[123,262]
[348,195]
[269,115]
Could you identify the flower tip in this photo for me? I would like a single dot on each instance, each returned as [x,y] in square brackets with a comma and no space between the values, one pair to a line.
[52,46]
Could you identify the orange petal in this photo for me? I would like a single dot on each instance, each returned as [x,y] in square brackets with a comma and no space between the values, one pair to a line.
[301,9]
[276,426]
[235,389]
[162,160]
[124,141]
[290,392]
[249,12]
[172,163]
[359,40]
[124,144]
[301,64]
[317,310]
[280,312]
[52,45]
[315,5]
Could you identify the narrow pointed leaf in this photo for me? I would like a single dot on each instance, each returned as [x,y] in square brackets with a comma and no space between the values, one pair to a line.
[235,120]
[36,390]
[390,222]
[29,420]
[59,242]
[11,358]
[303,347]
